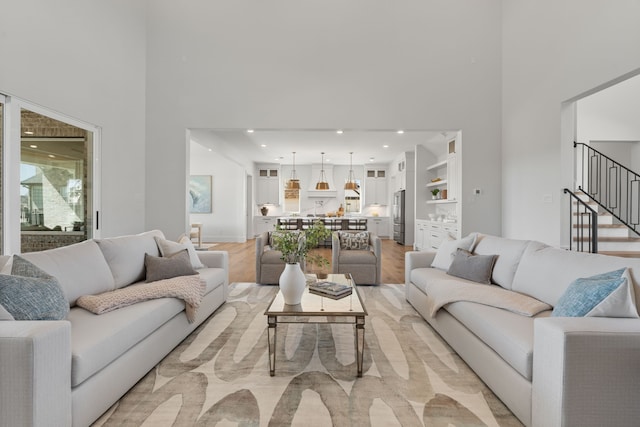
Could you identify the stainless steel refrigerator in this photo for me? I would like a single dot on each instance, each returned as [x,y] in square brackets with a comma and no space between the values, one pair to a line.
[398,217]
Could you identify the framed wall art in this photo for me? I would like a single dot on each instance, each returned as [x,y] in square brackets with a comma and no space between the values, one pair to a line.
[200,193]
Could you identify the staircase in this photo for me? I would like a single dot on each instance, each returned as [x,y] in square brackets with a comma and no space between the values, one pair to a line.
[605,209]
[613,238]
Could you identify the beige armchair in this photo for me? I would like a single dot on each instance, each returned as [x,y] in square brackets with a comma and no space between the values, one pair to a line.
[269,266]
[358,253]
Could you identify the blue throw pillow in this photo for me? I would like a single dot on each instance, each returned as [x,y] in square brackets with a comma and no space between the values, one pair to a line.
[608,294]
[31,294]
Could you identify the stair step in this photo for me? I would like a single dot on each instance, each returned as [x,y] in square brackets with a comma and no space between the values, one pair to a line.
[624,254]
[610,239]
[600,226]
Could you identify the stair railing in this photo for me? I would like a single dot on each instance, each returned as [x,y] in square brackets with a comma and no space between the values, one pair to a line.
[610,184]
[580,230]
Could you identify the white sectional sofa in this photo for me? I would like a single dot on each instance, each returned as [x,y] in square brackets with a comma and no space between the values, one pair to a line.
[69,372]
[550,371]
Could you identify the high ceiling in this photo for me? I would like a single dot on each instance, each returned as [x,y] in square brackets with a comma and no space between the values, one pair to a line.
[276,146]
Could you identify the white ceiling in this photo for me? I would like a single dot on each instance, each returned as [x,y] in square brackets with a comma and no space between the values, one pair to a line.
[368,146]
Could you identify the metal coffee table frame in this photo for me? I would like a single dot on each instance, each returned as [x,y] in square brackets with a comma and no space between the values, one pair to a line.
[316,309]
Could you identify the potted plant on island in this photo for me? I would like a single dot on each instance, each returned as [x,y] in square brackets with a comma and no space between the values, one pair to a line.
[434,193]
[295,247]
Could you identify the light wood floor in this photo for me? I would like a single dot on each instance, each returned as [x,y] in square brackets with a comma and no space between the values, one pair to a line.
[242,260]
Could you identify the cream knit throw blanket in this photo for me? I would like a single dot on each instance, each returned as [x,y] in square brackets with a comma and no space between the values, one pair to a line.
[188,288]
[443,292]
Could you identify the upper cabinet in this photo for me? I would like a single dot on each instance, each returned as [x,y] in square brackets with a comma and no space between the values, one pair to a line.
[268,186]
[375,186]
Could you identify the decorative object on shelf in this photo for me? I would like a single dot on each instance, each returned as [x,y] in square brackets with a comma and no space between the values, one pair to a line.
[444,193]
[434,193]
[297,247]
[264,210]
[340,211]
[294,182]
[322,180]
[351,183]
[436,179]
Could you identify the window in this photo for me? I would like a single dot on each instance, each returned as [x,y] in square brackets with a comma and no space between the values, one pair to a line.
[352,199]
[48,184]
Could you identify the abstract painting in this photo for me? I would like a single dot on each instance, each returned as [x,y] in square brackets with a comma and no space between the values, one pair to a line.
[200,194]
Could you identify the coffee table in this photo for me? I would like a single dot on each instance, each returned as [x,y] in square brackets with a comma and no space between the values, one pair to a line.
[319,309]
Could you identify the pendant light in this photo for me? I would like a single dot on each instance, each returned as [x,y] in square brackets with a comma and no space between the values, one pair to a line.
[322,181]
[294,182]
[351,180]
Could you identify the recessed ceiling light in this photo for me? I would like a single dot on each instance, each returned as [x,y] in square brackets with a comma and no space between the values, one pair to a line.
[339,132]
[371,159]
[385,146]
[28,132]
[33,146]
[52,156]
[210,149]
[400,132]
[249,130]
[263,145]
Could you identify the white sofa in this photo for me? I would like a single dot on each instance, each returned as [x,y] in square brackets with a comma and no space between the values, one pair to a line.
[550,371]
[69,372]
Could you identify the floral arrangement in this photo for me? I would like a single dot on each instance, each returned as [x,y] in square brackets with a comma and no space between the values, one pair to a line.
[295,245]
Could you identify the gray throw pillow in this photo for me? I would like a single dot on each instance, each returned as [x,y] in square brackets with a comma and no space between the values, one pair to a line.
[29,293]
[477,268]
[159,268]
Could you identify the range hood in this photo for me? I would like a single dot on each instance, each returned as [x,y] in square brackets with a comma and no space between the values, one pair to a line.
[315,174]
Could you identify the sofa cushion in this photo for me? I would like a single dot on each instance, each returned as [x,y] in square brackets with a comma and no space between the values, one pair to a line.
[174,265]
[447,250]
[561,267]
[80,268]
[97,340]
[271,256]
[603,295]
[357,257]
[476,268]
[354,240]
[125,256]
[168,248]
[213,278]
[31,294]
[510,335]
[421,277]
[509,252]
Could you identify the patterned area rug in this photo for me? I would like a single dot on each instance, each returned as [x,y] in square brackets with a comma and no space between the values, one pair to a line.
[220,374]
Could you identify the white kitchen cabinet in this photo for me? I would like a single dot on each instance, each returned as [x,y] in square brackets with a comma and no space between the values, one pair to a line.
[421,242]
[379,226]
[268,187]
[263,223]
[375,187]
[438,232]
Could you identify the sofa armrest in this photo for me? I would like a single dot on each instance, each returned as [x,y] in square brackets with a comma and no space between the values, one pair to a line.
[586,372]
[262,240]
[214,259]
[35,373]
[415,259]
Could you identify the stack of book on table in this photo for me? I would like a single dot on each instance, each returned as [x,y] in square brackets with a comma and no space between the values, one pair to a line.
[330,289]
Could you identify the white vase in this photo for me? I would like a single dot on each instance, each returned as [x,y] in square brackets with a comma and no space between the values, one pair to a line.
[292,284]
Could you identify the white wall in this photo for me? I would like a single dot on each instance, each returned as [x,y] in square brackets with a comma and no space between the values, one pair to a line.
[323,65]
[553,52]
[86,60]
[611,114]
[225,223]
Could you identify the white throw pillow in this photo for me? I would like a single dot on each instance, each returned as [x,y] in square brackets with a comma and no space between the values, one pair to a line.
[447,251]
[193,255]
